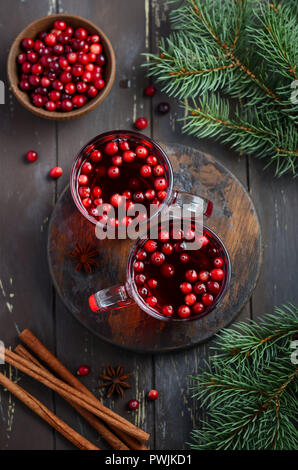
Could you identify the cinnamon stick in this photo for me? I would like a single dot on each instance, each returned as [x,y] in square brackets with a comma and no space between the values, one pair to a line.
[70,393]
[33,343]
[46,414]
[90,418]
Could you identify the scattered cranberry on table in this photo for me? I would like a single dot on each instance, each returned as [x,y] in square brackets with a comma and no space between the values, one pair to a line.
[31,156]
[141,123]
[152,395]
[163,108]
[133,404]
[56,172]
[61,69]
[150,90]
[83,370]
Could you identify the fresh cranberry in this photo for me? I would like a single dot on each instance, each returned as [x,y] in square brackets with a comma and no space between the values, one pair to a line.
[84,191]
[141,151]
[70,88]
[167,248]
[116,200]
[152,301]
[218,262]
[163,108]
[185,287]
[86,168]
[65,77]
[92,91]
[26,67]
[77,70]
[36,69]
[113,172]
[66,105]
[150,90]
[127,194]
[38,101]
[83,180]
[138,197]
[158,170]
[60,24]
[183,311]
[111,148]
[56,172]
[217,274]
[160,184]
[152,283]
[151,160]
[50,39]
[141,255]
[167,270]
[184,258]
[101,60]
[31,156]
[158,258]
[81,33]
[128,156]
[200,288]
[150,194]
[207,299]
[117,160]
[87,202]
[95,49]
[27,44]
[213,287]
[32,57]
[168,311]
[96,156]
[83,370]
[72,57]
[190,299]
[50,106]
[140,279]
[150,246]
[203,241]
[55,95]
[24,85]
[21,59]
[58,49]
[34,80]
[124,145]
[191,275]
[99,83]
[79,100]
[141,123]
[198,308]
[97,201]
[204,276]
[133,404]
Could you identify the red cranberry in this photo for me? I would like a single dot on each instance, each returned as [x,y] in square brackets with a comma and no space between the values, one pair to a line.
[36,69]
[191,275]
[66,105]
[38,101]
[34,80]
[99,83]
[151,160]
[150,246]
[77,70]
[54,95]
[150,90]
[150,194]
[50,106]
[152,283]
[184,258]
[207,299]
[185,287]
[81,33]
[72,57]
[86,168]
[56,172]
[140,279]
[141,255]
[21,59]
[128,156]
[190,299]
[141,152]
[158,258]
[199,288]
[95,49]
[65,77]
[167,270]
[78,44]
[167,311]
[96,191]
[160,183]
[213,287]
[83,370]
[162,195]
[163,108]
[26,67]
[84,191]
[127,194]
[83,180]
[113,172]
[189,234]
[141,123]
[27,44]
[167,248]
[111,148]
[116,200]
[198,308]
[204,276]
[82,87]
[24,85]
[152,301]
[97,201]
[138,197]
[60,24]
[58,49]
[203,241]
[32,57]
[92,91]
[70,88]
[101,60]
[79,100]
[145,171]
[96,156]
[217,274]
[183,311]
[117,160]
[31,156]
[133,404]
[179,247]
[50,39]
[158,170]
[87,202]
[124,145]
[69,30]
[218,262]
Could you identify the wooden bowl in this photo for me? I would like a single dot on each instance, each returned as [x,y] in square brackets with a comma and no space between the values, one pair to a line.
[44,24]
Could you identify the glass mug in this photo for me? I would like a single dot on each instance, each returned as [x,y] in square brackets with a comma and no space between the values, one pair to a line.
[168,282]
[100,179]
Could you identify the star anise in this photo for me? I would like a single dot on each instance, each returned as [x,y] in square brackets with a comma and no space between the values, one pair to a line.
[85,256]
[115,381]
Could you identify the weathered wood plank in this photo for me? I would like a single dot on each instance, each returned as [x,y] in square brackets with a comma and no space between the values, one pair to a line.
[27,201]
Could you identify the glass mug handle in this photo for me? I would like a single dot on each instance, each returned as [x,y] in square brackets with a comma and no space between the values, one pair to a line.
[181,198]
[111,298]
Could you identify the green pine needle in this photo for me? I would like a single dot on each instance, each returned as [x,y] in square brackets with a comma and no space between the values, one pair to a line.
[244,50]
[250,387]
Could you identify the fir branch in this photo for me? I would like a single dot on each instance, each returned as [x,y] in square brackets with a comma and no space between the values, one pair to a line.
[250,387]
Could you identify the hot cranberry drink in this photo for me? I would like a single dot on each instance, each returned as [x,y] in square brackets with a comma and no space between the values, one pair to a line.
[120,171]
[180,283]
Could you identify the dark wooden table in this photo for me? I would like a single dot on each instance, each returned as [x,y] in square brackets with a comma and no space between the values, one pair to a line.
[27,200]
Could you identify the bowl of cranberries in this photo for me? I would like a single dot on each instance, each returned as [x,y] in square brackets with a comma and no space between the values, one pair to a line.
[61,66]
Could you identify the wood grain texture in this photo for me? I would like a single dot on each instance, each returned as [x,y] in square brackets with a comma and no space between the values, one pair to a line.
[234,220]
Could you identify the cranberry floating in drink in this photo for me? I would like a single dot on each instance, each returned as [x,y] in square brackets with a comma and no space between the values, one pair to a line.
[175,277]
[119,169]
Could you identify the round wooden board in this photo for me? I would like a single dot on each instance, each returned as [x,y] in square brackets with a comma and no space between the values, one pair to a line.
[234,220]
